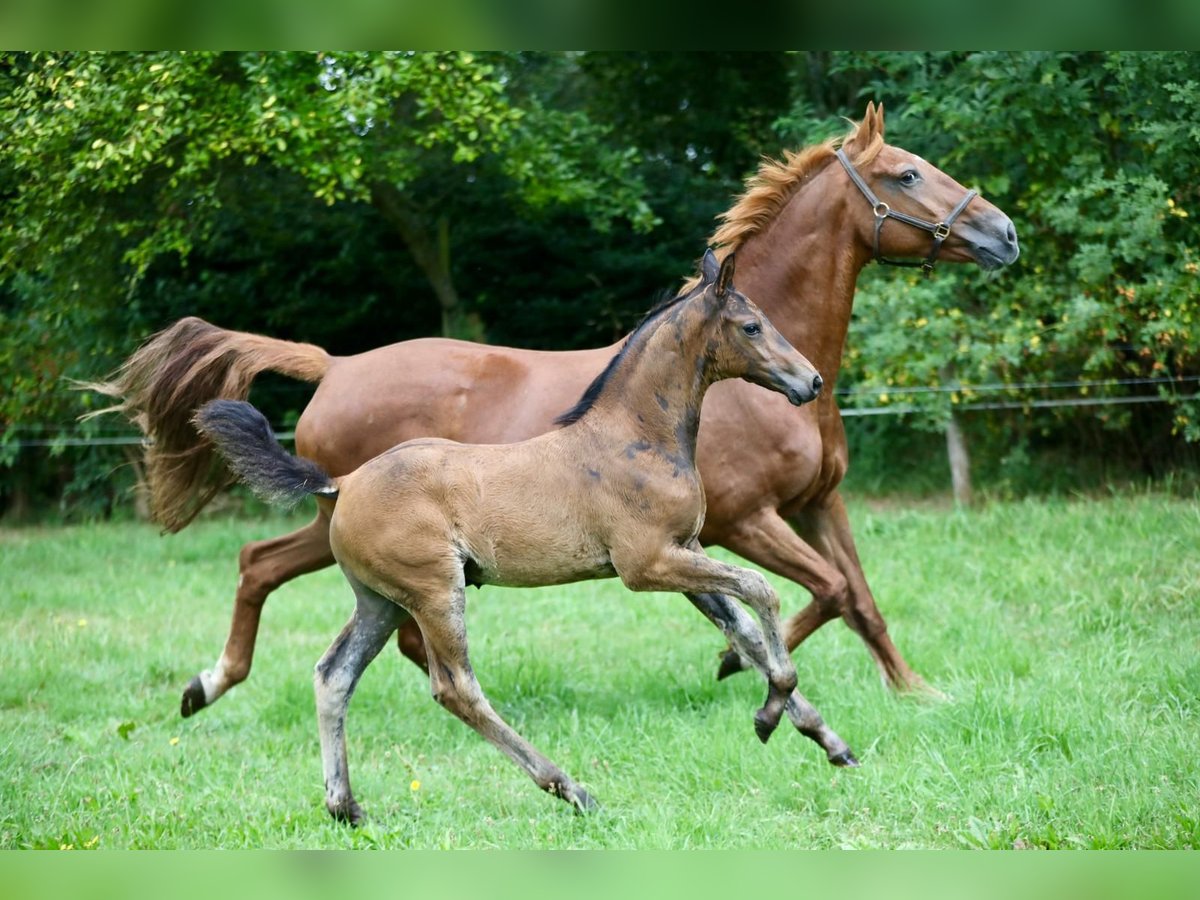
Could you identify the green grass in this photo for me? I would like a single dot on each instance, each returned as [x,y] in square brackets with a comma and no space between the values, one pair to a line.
[1066,634]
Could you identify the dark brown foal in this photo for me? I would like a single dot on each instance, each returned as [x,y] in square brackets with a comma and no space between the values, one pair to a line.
[613,492]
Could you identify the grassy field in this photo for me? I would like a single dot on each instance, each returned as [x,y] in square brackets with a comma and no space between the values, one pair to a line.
[1066,634]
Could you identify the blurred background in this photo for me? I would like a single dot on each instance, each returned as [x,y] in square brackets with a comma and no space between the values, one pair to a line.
[546,199]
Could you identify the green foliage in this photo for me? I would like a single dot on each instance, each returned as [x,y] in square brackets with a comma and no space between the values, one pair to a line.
[1097,158]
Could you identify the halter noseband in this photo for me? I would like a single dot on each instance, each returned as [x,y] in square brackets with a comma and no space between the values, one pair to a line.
[939,230]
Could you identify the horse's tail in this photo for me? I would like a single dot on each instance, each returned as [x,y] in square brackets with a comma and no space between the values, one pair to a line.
[242,435]
[162,384]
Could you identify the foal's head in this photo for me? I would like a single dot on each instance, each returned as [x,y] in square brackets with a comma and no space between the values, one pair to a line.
[742,342]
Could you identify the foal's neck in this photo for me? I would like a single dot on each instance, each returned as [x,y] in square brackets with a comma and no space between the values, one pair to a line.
[656,390]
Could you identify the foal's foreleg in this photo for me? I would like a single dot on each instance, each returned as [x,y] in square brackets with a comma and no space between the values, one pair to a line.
[689,570]
[263,566]
[746,639]
[334,680]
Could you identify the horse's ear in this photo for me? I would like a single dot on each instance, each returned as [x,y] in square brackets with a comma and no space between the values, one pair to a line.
[725,277]
[709,267]
[866,130]
[870,124]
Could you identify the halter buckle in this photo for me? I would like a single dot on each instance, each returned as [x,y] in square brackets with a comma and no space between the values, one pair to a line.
[941,231]
[881,210]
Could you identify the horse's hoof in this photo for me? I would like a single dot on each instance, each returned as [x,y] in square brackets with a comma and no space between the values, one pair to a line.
[918,689]
[731,664]
[845,760]
[764,727]
[193,698]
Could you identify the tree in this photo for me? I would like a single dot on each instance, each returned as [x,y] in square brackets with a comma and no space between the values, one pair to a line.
[1096,156]
[135,148]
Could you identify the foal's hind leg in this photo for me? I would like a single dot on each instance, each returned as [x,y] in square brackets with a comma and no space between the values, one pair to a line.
[334,680]
[264,566]
[455,687]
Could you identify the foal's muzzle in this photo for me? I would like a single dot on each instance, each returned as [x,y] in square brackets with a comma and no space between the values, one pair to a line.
[802,393]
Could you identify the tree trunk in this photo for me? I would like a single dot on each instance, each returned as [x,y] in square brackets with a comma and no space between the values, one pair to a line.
[960,461]
[430,249]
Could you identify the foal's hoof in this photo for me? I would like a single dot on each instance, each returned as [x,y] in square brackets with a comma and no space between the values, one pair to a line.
[193,698]
[731,664]
[568,790]
[583,802]
[845,760]
[348,811]
[764,725]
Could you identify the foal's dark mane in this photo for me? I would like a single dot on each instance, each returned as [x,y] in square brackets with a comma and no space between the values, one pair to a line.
[596,388]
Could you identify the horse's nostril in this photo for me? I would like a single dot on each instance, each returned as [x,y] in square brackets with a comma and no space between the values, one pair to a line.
[1011,234]
[817,382]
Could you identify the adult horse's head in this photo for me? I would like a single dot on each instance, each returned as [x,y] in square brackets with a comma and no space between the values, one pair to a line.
[744,343]
[904,207]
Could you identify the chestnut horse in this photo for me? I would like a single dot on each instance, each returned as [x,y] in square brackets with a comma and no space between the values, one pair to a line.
[613,492]
[803,230]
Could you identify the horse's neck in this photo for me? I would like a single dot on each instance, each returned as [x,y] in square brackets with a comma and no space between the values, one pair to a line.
[802,270]
[656,390]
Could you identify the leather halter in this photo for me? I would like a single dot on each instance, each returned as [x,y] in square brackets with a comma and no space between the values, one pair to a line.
[939,230]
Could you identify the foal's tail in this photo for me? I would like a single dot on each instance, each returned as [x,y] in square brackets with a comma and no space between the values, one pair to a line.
[162,384]
[243,436]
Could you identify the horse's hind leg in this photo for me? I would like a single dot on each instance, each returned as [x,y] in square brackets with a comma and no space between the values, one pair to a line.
[264,566]
[746,639]
[455,687]
[411,644]
[334,680]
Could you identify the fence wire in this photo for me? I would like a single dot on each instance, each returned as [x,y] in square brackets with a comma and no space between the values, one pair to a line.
[128,439]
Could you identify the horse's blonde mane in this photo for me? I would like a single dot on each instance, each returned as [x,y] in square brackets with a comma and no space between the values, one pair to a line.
[775,183]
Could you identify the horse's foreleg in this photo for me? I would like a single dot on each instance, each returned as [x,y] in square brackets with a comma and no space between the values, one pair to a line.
[455,687]
[746,639]
[689,570]
[334,680]
[263,566]
[828,527]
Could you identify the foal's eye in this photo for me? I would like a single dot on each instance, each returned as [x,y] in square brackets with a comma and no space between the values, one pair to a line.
[909,178]
[752,329]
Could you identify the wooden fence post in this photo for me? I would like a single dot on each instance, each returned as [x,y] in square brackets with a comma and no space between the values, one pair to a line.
[960,461]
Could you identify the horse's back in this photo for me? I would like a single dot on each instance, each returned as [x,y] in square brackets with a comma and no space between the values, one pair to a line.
[437,387]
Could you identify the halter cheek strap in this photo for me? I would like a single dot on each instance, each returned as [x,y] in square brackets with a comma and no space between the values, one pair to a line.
[939,230]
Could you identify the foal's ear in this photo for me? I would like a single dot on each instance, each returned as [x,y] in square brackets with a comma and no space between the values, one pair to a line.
[709,266]
[725,277]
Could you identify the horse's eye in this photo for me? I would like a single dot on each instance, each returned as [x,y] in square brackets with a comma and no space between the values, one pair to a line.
[910,178]
[752,329]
